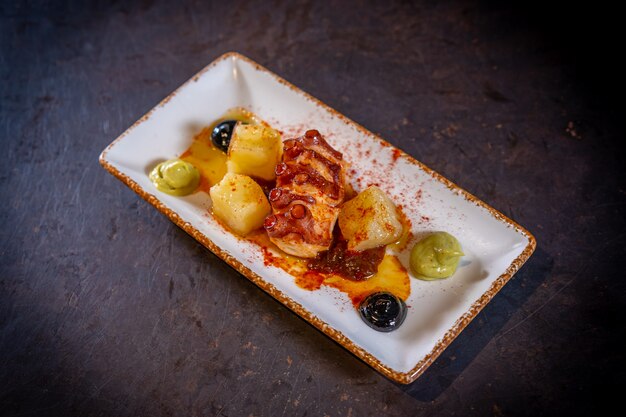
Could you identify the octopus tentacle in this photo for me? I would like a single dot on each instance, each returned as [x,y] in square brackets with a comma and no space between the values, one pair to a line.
[310,185]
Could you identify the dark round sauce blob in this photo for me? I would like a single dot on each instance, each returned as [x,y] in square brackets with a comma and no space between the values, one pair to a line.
[222,133]
[383,311]
[355,266]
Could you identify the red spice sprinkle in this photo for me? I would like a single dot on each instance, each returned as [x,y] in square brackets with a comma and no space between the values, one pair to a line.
[396,154]
[268,257]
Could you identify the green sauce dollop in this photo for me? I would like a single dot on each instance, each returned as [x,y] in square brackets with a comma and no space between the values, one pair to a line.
[175,177]
[436,256]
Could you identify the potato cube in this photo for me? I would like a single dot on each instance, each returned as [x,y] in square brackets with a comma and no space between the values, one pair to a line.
[254,150]
[369,220]
[239,203]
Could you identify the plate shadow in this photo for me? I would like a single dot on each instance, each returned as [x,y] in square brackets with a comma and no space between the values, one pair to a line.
[464,349]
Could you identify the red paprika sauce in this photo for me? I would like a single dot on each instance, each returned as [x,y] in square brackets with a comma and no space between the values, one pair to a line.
[389,275]
[338,260]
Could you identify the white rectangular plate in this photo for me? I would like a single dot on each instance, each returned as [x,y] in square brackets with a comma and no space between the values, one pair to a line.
[495,246]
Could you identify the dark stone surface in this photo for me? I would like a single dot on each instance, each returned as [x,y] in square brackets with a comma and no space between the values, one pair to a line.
[108,309]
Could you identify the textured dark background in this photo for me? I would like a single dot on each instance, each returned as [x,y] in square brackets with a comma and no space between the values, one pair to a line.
[108,309]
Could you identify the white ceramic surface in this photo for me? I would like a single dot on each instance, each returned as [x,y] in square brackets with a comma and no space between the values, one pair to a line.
[494,246]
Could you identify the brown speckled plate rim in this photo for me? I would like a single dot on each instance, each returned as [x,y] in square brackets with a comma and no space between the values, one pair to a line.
[337,336]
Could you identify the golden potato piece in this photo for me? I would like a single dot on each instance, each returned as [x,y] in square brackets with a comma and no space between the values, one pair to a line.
[369,220]
[254,150]
[239,203]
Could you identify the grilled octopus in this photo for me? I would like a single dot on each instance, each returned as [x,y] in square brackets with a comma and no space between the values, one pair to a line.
[310,187]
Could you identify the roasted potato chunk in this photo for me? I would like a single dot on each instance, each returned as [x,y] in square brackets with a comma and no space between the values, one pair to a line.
[239,203]
[254,150]
[369,220]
